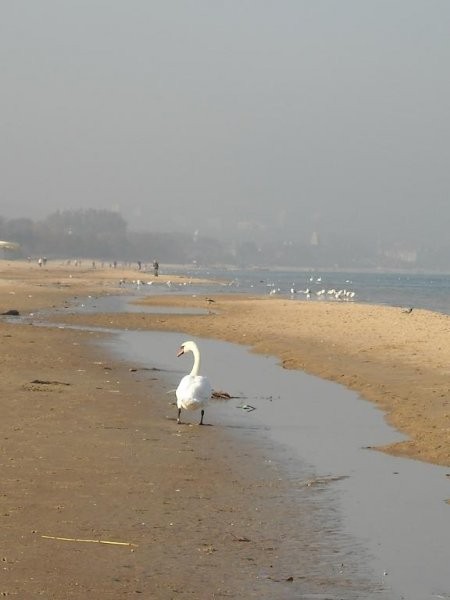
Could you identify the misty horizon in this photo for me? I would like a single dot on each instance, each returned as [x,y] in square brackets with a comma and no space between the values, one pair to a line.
[260,119]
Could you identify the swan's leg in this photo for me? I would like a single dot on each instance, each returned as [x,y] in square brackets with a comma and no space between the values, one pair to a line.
[201,418]
[179,415]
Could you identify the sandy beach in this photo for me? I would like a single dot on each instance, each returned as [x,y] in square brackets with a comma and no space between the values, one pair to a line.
[399,360]
[105,496]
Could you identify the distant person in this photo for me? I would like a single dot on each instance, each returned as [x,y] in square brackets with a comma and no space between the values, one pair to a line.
[155,268]
[40,262]
[139,265]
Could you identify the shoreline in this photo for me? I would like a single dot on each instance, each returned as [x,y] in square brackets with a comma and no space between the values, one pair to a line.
[399,361]
[92,461]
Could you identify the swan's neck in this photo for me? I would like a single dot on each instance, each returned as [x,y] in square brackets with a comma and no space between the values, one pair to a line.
[196,367]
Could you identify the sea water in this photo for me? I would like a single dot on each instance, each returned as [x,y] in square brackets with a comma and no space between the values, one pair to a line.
[413,290]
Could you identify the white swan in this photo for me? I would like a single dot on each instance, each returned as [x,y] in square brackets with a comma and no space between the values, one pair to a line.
[194,390]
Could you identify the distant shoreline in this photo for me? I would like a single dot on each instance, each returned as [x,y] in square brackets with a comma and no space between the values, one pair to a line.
[128,265]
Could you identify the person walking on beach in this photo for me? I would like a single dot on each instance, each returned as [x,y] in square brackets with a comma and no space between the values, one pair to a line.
[155,268]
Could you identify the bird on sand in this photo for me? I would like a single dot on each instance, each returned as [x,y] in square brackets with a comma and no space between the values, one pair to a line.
[194,391]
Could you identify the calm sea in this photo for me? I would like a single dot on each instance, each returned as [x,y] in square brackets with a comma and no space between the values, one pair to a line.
[429,291]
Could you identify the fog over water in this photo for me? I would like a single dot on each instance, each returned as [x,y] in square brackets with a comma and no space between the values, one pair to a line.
[258,118]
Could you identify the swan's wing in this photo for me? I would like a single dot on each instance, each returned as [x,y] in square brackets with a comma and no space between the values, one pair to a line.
[183,388]
[202,388]
[194,391]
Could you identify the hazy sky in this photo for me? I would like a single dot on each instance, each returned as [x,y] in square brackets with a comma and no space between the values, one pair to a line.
[197,114]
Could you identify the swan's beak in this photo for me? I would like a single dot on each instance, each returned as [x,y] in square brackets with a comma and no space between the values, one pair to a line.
[180,351]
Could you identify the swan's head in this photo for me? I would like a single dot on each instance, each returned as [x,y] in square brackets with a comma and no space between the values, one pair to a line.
[187,347]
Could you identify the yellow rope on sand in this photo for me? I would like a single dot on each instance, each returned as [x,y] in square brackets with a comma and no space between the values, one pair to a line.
[64,539]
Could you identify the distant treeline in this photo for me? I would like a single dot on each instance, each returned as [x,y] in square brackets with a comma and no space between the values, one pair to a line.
[104,235]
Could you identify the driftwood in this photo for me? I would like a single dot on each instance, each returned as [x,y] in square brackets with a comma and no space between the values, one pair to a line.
[220,395]
[66,539]
[45,382]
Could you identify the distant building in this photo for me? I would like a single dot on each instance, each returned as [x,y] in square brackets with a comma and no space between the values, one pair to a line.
[401,255]
[314,241]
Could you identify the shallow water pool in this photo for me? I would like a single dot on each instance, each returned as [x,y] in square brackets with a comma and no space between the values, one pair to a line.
[395,508]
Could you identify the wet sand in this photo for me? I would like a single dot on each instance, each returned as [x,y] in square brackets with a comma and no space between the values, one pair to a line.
[91,451]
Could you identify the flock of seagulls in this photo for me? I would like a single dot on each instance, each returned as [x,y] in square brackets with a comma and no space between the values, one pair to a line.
[330,294]
[313,290]
[139,283]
